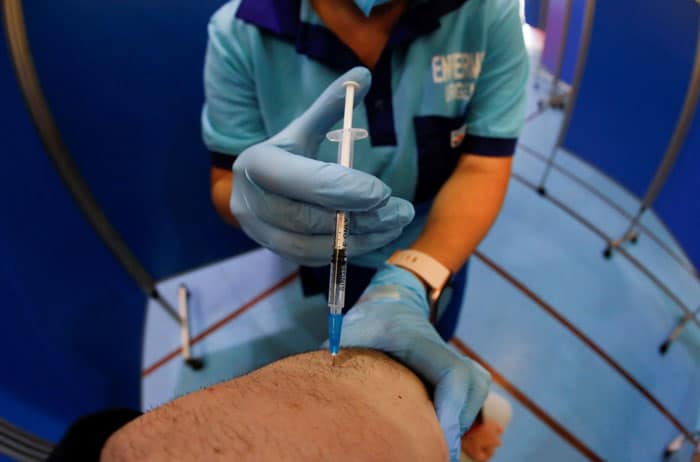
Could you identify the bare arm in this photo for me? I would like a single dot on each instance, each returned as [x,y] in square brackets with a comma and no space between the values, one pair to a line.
[364,406]
[221,181]
[464,209]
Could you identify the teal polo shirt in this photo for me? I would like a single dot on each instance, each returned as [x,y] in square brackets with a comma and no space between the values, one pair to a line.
[450,81]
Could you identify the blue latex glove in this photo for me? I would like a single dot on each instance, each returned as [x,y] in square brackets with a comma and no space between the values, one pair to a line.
[286,201]
[392,316]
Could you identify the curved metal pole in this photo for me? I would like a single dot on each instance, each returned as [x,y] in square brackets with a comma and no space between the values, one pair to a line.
[543,13]
[57,151]
[669,159]
[22,445]
[677,330]
[575,87]
[556,76]
[562,51]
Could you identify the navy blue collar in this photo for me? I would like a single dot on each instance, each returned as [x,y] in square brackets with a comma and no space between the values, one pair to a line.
[281,18]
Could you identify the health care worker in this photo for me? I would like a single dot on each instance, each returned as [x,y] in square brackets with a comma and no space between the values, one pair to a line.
[443,104]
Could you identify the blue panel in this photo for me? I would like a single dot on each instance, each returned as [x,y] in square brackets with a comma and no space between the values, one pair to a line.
[124,79]
[677,204]
[578,12]
[637,73]
[71,319]
[532,12]
[554,35]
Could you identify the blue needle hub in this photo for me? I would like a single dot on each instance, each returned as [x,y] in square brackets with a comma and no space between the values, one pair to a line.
[335,325]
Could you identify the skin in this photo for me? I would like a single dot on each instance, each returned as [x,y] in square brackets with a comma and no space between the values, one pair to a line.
[361,406]
[482,440]
[478,183]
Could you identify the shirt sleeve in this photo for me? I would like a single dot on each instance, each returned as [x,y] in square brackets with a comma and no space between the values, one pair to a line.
[231,119]
[496,113]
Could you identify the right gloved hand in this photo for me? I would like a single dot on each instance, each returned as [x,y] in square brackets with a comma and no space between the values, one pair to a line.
[286,201]
[392,316]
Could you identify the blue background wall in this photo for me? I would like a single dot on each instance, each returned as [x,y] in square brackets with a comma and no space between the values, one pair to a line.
[532,12]
[678,202]
[123,79]
[67,306]
[578,11]
[554,39]
[636,77]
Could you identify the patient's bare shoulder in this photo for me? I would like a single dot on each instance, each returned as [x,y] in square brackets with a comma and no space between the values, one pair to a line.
[360,406]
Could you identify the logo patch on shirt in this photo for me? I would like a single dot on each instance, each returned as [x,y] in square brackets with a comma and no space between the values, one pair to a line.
[458,71]
[457,136]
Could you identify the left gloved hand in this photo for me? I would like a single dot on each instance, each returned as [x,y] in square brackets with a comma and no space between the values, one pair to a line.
[392,316]
[286,200]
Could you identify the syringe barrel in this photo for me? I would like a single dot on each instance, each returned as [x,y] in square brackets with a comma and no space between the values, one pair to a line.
[346,137]
[346,149]
[339,265]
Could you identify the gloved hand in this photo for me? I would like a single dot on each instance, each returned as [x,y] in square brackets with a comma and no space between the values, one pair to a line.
[392,316]
[286,201]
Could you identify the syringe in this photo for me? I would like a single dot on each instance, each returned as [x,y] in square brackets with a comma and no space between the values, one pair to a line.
[339,261]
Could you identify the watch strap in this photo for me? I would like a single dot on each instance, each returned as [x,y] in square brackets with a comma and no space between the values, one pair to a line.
[431,271]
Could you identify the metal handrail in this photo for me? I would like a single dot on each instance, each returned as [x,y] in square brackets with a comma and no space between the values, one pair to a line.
[57,151]
[575,87]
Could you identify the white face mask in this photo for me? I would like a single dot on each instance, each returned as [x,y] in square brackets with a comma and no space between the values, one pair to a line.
[367,5]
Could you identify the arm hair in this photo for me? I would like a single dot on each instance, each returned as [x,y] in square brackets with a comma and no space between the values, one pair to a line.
[360,406]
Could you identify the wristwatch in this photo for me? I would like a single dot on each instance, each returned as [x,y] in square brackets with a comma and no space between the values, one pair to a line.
[435,276]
